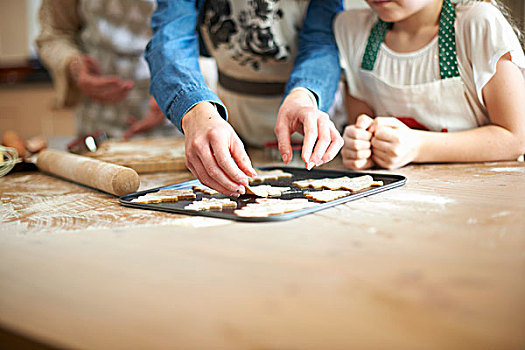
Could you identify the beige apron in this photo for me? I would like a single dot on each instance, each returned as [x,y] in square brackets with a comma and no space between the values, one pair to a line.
[253,72]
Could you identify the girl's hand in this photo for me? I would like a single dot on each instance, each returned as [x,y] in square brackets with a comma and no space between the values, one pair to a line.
[357,152]
[394,144]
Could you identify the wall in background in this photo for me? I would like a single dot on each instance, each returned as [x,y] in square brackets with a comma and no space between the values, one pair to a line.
[13,32]
[19,28]
[518,8]
[29,111]
[33,25]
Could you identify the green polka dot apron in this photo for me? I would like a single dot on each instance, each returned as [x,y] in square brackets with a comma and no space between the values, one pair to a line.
[439,105]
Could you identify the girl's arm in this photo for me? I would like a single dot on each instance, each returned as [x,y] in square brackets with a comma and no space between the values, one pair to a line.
[395,145]
[356,151]
[504,139]
[355,107]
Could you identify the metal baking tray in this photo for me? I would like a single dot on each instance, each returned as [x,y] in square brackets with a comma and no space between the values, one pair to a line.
[389,182]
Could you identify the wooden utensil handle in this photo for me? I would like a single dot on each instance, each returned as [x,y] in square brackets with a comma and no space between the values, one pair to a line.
[107,177]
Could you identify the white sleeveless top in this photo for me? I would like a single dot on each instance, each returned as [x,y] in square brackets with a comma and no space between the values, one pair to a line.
[483,36]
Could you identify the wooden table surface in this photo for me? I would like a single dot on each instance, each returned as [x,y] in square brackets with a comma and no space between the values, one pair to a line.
[438,263]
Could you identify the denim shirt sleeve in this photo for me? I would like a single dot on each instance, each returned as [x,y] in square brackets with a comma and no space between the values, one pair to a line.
[172,54]
[317,65]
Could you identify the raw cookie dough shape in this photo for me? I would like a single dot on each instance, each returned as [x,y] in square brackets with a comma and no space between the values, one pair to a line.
[165,195]
[205,189]
[264,207]
[266,190]
[211,204]
[265,175]
[326,195]
[353,184]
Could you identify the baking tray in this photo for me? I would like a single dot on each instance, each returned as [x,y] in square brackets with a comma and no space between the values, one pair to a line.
[389,182]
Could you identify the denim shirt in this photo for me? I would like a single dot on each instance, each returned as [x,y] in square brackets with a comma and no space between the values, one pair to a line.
[172,55]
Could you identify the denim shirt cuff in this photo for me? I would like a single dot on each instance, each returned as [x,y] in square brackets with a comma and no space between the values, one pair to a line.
[315,86]
[188,98]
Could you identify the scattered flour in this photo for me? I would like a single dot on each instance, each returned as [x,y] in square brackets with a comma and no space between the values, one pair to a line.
[500,214]
[371,230]
[423,198]
[508,170]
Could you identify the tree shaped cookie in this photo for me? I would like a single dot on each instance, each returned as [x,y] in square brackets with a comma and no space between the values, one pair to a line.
[266,190]
[264,207]
[265,175]
[353,184]
[165,195]
[211,204]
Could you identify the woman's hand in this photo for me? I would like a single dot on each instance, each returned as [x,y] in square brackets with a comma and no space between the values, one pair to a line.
[86,73]
[393,143]
[357,151]
[153,118]
[321,142]
[214,152]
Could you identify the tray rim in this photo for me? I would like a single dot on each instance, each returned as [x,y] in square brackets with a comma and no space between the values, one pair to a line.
[399,180]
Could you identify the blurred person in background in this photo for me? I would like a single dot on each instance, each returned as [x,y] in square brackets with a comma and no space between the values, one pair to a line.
[94,51]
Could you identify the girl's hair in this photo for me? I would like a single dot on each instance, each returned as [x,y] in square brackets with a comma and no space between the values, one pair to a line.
[506,13]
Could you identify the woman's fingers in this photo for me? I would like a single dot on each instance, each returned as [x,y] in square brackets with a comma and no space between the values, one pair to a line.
[335,145]
[198,169]
[324,140]
[214,151]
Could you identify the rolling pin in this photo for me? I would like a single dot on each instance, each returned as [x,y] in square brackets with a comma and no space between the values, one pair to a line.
[107,177]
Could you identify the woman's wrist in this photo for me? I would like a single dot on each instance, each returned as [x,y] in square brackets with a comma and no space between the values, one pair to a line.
[205,109]
[306,94]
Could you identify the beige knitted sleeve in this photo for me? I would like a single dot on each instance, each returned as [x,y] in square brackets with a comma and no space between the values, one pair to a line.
[58,46]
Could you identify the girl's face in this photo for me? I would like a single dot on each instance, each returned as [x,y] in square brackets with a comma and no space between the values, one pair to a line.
[398,10]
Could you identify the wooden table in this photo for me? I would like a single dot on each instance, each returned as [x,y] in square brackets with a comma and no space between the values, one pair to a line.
[436,264]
